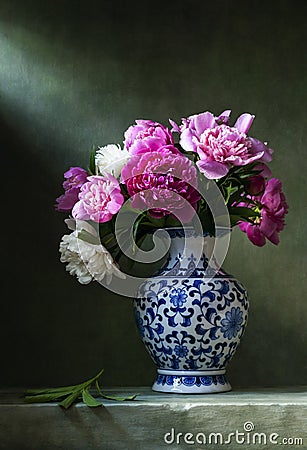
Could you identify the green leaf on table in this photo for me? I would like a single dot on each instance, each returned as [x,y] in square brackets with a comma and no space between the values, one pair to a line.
[50,394]
[89,400]
[119,399]
[43,398]
[70,394]
[59,390]
[116,398]
[68,401]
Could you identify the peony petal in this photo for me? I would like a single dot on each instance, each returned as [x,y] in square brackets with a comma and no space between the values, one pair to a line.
[260,147]
[186,140]
[271,197]
[255,235]
[71,224]
[225,113]
[255,185]
[223,118]
[66,201]
[274,238]
[203,121]
[243,226]
[75,172]
[274,186]
[244,122]
[78,211]
[267,226]
[243,162]
[212,169]
[115,203]
[150,144]
[175,127]
[265,170]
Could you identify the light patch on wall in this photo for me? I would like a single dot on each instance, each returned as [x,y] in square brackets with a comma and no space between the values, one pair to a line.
[51,93]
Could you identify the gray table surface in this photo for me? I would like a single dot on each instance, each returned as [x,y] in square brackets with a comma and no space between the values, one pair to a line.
[243,418]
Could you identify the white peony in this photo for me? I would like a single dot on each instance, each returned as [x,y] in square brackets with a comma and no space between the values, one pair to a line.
[111,159]
[87,261]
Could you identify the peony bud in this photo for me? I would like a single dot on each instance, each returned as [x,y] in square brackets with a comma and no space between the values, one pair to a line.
[255,185]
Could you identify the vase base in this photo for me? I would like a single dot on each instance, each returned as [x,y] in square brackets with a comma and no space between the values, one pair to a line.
[188,382]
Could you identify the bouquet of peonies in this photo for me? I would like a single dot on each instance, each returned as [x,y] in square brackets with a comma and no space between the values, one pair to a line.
[157,176]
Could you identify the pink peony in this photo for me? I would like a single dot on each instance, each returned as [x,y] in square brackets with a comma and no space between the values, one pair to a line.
[273,207]
[75,177]
[195,125]
[164,182]
[99,199]
[147,135]
[220,146]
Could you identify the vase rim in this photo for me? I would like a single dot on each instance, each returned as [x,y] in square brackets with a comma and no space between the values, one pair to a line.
[191,227]
[190,230]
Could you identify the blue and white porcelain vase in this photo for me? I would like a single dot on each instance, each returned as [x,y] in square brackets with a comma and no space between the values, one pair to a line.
[191,322]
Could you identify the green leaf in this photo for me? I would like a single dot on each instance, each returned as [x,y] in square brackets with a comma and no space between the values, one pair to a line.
[158,223]
[243,211]
[72,393]
[92,166]
[229,190]
[91,380]
[68,401]
[111,397]
[236,196]
[59,390]
[135,231]
[109,241]
[89,400]
[49,394]
[43,398]
[88,237]
[172,222]
[234,220]
[119,399]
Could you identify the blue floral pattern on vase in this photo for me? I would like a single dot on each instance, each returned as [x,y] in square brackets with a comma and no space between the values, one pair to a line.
[232,323]
[178,297]
[204,331]
[190,325]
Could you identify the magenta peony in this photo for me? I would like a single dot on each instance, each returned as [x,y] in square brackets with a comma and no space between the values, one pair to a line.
[164,182]
[99,199]
[273,208]
[147,135]
[75,177]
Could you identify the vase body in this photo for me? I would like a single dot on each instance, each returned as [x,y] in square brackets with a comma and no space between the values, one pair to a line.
[190,322]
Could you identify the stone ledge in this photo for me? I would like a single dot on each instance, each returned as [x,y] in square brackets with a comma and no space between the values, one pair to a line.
[144,422]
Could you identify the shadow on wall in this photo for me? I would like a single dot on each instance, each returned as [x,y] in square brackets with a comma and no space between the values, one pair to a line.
[30,231]
[54,330]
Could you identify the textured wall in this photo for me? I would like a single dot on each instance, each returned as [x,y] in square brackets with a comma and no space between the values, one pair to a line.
[75,73]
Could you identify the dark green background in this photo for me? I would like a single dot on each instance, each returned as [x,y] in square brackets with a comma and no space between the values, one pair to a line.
[77,73]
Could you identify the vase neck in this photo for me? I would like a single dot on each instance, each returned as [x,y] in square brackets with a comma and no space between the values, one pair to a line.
[190,255]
